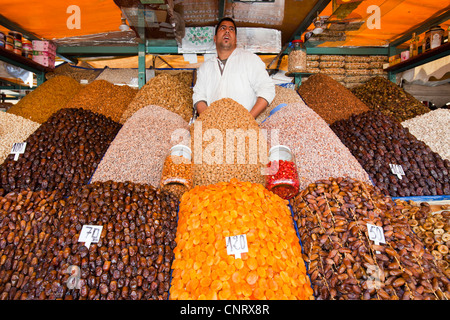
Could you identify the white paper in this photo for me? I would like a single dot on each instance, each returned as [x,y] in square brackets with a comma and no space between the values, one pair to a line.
[17,149]
[90,234]
[236,245]
[376,234]
[397,170]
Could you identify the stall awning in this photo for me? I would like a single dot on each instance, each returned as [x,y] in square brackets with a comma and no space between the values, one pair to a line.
[54,19]
[396,17]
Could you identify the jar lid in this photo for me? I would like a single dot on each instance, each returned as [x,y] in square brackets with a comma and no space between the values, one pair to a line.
[280,152]
[181,150]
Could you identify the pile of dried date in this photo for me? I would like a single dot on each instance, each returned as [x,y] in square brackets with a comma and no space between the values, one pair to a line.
[28,220]
[41,256]
[335,218]
[386,150]
[62,154]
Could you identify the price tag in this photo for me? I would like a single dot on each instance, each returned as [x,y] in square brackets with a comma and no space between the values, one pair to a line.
[90,234]
[18,148]
[397,170]
[376,234]
[237,245]
[84,81]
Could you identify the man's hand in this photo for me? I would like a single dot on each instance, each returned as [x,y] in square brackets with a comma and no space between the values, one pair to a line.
[201,106]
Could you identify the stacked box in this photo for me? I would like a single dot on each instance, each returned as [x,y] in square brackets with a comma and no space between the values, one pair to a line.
[349,70]
[44,53]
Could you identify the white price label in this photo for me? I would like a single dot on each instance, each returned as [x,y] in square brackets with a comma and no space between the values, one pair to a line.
[90,234]
[237,245]
[397,170]
[18,148]
[84,81]
[376,234]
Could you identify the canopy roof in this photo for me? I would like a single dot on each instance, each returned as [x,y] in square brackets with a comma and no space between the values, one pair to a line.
[100,21]
[51,19]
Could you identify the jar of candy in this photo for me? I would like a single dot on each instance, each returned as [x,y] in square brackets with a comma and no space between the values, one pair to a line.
[177,175]
[282,178]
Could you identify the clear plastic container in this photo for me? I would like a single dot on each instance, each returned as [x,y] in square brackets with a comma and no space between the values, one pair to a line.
[283,175]
[177,169]
[297,57]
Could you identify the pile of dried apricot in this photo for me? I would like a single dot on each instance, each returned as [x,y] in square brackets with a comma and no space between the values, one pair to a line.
[273,267]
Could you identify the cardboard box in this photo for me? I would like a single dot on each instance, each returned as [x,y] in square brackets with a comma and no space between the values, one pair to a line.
[46,61]
[44,45]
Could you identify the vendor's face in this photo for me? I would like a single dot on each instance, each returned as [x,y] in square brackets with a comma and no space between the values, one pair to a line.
[225,38]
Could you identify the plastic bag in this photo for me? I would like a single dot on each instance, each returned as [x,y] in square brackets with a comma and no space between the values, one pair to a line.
[17,72]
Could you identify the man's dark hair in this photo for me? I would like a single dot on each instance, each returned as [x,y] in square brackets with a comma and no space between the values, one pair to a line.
[226,19]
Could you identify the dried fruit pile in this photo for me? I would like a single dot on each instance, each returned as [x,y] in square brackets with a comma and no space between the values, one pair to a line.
[282,95]
[138,151]
[432,228]
[28,221]
[79,74]
[226,144]
[46,99]
[319,154]
[61,154]
[132,259]
[378,141]
[330,99]
[343,263]
[166,91]
[103,97]
[122,76]
[187,77]
[382,94]
[272,268]
[433,129]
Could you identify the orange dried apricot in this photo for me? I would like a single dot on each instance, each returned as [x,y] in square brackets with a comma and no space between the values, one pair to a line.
[273,267]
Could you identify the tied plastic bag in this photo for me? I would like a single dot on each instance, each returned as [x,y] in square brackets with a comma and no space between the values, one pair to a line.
[277,108]
[17,72]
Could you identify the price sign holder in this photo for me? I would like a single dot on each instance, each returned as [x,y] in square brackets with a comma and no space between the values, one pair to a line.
[236,245]
[90,234]
[17,149]
[376,234]
[397,170]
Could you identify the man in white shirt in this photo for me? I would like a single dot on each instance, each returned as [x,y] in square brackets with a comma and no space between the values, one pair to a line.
[235,73]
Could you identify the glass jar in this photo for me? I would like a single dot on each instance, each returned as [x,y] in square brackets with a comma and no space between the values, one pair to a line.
[282,178]
[437,37]
[297,57]
[177,175]
[413,47]
[433,38]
